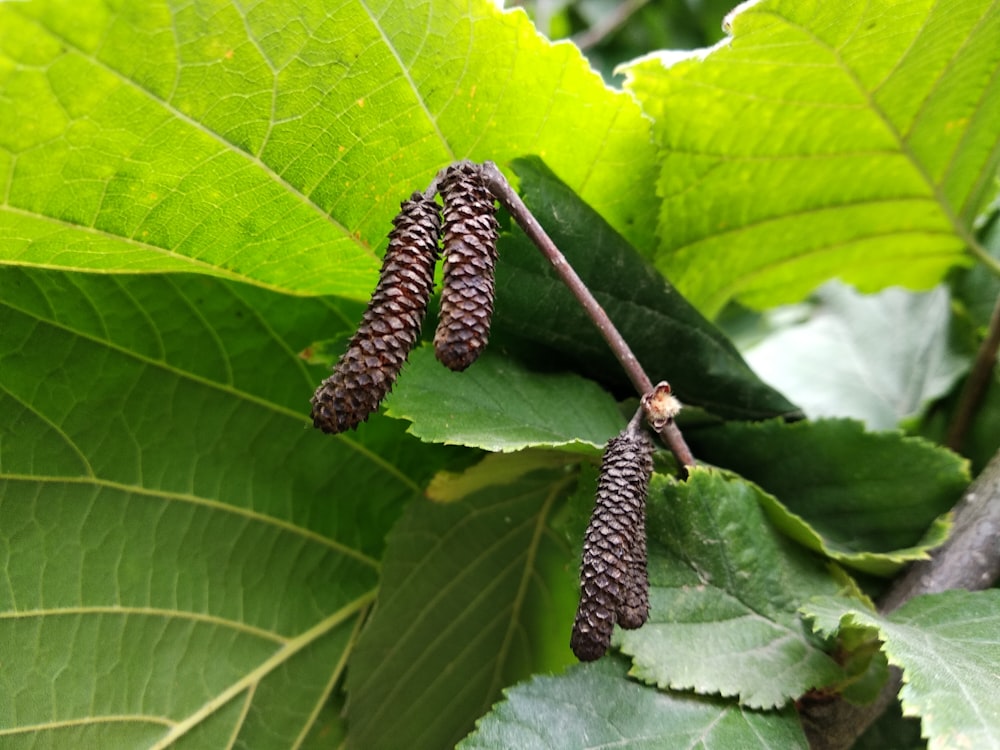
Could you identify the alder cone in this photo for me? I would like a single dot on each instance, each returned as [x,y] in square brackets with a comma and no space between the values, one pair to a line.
[470,254]
[390,326]
[614,586]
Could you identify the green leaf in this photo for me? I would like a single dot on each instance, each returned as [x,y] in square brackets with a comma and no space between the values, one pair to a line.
[185,560]
[273,143]
[596,705]
[948,648]
[498,405]
[880,358]
[495,469]
[475,595]
[724,591]
[850,140]
[869,500]
[538,318]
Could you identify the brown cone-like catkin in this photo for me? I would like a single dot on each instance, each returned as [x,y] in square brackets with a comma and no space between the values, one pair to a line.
[470,253]
[390,327]
[635,607]
[613,583]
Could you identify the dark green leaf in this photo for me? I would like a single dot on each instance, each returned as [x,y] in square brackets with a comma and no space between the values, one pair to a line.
[539,317]
[869,500]
[849,140]
[982,438]
[596,706]
[475,595]
[724,591]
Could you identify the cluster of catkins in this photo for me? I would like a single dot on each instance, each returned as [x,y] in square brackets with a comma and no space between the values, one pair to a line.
[390,326]
[614,583]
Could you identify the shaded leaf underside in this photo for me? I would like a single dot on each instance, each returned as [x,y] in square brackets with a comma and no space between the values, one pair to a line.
[474,593]
[168,520]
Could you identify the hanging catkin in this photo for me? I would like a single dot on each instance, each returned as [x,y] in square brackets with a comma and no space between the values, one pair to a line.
[390,326]
[470,237]
[613,582]
[635,607]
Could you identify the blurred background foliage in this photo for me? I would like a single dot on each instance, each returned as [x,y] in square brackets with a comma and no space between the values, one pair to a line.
[611,32]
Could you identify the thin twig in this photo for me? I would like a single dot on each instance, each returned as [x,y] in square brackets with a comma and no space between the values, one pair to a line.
[510,200]
[976,384]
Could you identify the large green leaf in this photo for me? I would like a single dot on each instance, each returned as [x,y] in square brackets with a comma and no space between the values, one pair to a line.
[869,500]
[855,140]
[274,142]
[538,317]
[948,646]
[476,594]
[185,559]
[724,591]
[498,405]
[596,706]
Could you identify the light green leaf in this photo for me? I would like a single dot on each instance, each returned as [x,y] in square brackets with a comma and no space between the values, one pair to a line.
[596,706]
[498,405]
[724,591]
[880,358]
[872,501]
[949,650]
[475,595]
[273,143]
[185,559]
[850,140]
